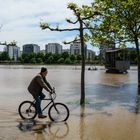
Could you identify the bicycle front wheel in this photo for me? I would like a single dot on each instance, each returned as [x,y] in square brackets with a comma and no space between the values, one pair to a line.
[27,110]
[58,112]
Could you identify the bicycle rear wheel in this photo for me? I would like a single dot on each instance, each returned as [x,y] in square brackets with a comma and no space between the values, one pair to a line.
[58,112]
[27,110]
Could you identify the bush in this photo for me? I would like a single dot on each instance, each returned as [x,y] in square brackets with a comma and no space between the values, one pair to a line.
[60,60]
[68,61]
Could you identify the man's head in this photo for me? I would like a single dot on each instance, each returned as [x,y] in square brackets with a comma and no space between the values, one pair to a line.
[44,71]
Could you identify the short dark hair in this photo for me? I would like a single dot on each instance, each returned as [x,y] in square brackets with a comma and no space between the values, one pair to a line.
[43,69]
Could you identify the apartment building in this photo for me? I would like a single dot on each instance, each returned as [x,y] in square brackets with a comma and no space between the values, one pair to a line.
[31,48]
[53,48]
[75,48]
[13,52]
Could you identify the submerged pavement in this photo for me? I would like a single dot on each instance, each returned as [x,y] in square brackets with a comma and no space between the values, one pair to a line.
[111,112]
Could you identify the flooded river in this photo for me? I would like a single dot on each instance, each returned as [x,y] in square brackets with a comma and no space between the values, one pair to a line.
[111,111]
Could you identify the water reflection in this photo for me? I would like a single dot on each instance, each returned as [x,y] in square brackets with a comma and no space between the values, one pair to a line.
[25,126]
[40,130]
[31,125]
[82,123]
[40,136]
[58,130]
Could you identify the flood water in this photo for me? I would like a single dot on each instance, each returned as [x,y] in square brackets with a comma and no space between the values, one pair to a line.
[111,111]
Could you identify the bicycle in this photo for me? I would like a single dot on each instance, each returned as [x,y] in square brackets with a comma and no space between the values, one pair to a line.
[57,112]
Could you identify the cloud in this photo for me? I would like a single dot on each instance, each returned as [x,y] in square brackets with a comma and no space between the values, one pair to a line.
[21,18]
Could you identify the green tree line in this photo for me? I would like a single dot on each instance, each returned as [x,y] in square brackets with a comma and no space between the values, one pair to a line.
[49,58]
[64,58]
[41,58]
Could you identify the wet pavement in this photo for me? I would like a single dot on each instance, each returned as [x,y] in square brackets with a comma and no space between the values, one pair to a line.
[111,112]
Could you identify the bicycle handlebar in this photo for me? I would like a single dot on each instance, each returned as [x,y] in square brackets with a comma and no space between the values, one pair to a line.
[53,94]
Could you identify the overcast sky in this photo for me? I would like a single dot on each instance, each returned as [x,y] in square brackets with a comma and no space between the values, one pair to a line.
[20,21]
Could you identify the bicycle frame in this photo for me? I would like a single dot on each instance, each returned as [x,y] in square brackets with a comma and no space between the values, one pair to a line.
[51,99]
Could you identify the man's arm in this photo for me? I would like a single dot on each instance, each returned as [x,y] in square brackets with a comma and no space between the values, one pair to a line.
[42,83]
[47,83]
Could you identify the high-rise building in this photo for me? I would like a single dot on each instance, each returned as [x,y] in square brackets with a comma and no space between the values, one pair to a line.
[75,48]
[53,48]
[31,48]
[13,52]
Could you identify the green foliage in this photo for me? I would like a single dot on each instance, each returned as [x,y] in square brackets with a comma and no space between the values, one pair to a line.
[133,57]
[122,45]
[117,21]
[32,60]
[56,57]
[68,61]
[47,55]
[4,56]
[50,59]
[72,58]
[65,55]
[61,61]
[39,60]
[78,57]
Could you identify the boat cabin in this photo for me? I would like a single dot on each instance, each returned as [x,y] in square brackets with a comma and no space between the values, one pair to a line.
[117,61]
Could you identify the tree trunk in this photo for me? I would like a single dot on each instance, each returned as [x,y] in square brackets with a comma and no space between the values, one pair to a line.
[138,61]
[82,100]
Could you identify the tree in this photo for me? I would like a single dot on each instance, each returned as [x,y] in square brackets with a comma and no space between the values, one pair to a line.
[65,55]
[72,58]
[80,18]
[132,56]
[4,56]
[68,61]
[50,59]
[56,57]
[78,57]
[120,20]
[33,60]
[61,60]
[39,60]
[46,57]
[40,57]
[25,58]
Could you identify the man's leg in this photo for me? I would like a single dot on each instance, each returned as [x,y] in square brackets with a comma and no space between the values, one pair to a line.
[38,107]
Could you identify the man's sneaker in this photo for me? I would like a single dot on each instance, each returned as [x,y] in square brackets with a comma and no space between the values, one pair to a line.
[42,116]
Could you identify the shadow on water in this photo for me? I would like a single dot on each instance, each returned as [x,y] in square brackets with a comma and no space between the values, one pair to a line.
[53,130]
[82,123]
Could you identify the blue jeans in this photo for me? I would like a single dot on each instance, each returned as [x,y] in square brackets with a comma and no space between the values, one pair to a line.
[38,103]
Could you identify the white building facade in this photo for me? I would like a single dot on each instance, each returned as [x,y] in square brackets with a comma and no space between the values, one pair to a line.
[13,52]
[75,48]
[54,48]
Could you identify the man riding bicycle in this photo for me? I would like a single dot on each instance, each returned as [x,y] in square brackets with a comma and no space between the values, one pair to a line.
[36,86]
